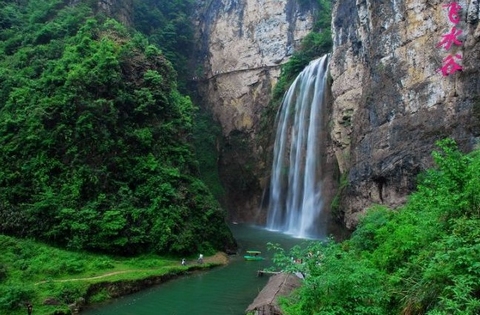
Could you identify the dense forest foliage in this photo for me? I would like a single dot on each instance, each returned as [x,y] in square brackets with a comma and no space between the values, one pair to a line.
[420,259]
[96,139]
[168,25]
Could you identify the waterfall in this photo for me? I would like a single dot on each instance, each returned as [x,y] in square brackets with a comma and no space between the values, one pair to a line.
[295,201]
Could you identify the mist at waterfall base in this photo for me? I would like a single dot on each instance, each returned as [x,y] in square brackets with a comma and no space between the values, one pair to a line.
[295,200]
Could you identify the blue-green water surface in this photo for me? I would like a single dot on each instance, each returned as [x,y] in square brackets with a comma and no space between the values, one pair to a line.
[221,291]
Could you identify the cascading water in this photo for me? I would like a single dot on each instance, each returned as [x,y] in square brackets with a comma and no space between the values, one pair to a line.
[295,202]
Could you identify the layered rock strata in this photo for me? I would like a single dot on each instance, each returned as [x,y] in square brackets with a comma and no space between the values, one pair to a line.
[391,101]
[243,43]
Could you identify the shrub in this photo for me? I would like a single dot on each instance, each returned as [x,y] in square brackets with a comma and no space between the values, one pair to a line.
[14,296]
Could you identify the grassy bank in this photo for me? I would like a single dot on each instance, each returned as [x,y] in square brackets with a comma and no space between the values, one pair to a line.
[51,279]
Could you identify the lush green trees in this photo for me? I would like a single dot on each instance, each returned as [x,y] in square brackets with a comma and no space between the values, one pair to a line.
[168,24]
[421,259]
[95,139]
[206,136]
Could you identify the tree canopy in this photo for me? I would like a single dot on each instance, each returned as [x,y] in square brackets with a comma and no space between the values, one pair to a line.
[168,24]
[95,137]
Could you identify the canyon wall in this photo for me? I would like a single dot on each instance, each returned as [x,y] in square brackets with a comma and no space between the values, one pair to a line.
[391,101]
[240,47]
[242,44]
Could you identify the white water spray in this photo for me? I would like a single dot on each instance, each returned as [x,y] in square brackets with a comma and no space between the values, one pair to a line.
[295,202]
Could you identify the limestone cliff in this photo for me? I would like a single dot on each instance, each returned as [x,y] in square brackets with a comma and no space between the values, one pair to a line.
[391,101]
[242,44]
[119,9]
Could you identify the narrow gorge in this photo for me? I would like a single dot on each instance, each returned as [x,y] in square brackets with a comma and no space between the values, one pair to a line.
[389,103]
[389,100]
[242,46]
[334,140]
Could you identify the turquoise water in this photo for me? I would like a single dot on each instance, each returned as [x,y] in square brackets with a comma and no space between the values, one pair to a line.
[220,291]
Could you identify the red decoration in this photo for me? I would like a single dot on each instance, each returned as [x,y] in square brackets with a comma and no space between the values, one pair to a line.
[453,12]
[450,66]
[450,38]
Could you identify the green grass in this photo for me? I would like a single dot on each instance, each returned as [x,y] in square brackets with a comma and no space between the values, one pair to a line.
[421,258]
[34,272]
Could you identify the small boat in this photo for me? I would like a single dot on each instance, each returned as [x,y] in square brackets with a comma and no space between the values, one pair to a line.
[253,255]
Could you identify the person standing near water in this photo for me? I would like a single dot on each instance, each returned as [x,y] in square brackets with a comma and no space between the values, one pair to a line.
[200,259]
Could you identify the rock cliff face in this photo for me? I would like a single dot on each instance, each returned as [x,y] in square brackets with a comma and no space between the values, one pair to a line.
[121,10]
[390,99]
[391,102]
[118,9]
[242,45]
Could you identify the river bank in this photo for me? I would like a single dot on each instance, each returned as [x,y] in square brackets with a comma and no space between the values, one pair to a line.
[122,287]
[224,290]
[57,281]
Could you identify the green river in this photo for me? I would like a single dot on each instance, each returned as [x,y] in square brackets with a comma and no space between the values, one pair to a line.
[221,291]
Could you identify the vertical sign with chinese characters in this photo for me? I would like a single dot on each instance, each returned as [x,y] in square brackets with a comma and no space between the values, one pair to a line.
[450,63]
